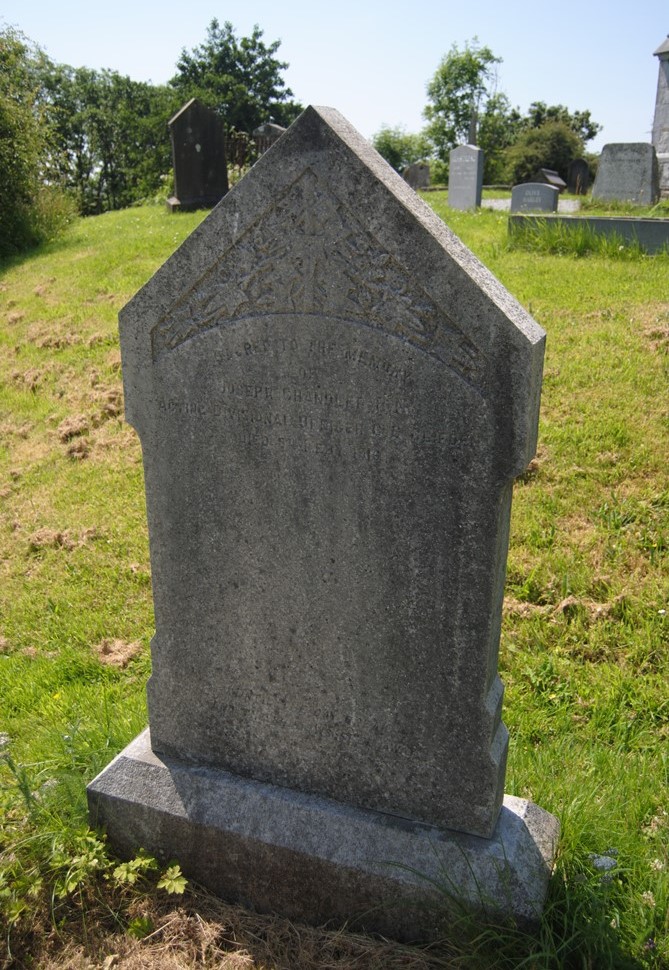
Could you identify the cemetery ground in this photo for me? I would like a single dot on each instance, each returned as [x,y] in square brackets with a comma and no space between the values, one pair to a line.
[584,645]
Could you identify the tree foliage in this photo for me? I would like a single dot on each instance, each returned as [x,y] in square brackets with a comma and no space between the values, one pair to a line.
[21,142]
[459,91]
[553,145]
[238,77]
[399,147]
[464,87]
[110,143]
[580,122]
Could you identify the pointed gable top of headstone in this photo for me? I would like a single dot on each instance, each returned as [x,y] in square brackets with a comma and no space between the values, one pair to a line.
[663,48]
[327,192]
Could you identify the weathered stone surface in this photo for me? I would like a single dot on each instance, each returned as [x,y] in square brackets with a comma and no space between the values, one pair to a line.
[534,197]
[417,175]
[333,397]
[579,176]
[317,860]
[627,172]
[549,176]
[465,177]
[198,156]
[660,137]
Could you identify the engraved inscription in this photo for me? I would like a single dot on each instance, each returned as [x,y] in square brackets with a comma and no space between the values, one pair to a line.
[298,409]
[285,263]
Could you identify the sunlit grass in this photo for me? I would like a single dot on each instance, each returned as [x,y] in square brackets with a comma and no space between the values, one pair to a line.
[584,646]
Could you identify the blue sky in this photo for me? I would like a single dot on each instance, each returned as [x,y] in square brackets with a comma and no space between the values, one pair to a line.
[371,60]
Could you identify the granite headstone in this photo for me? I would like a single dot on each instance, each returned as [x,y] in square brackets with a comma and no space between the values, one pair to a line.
[660,137]
[550,177]
[578,181]
[417,175]
[627,172]
[266,134]
[534,197]
[333,398]
[198,156]
[465,177]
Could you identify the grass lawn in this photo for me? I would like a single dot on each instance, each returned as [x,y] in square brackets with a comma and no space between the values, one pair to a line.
[584,653]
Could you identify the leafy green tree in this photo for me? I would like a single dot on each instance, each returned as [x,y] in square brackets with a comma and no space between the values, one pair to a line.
[109,137]
[21,143]
[401,148]
[498,128]
[553,146]
[459,91]
[238,77]
[580,122]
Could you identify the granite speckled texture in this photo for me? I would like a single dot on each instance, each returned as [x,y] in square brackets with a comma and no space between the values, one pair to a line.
[317,860]
[333,397]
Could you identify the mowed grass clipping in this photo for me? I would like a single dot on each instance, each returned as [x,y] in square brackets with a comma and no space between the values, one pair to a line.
[584,651]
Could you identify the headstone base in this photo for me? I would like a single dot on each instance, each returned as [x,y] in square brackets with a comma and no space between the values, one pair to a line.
[316,860]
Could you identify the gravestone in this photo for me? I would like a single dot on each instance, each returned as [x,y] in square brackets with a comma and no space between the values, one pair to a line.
[333,398]
[660,137]
[198,156]
[266,134]
[550,177]
[417,175]
[578,180]
[534,197]
[465,177]
[627,172]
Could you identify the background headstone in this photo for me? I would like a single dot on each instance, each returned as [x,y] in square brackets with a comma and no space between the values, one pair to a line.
[534,197]
[660,138]
[627,172]
[465,177]
[417,175]
[266,134]
[333,398]
[578,181]
[550,177]
[198,156]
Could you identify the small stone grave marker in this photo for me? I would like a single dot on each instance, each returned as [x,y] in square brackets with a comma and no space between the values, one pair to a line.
[333,397]
[550,177]
[417,175]
[198,156]
[627,172]
[534,197]
[579,176]
[465,177]
[266,134]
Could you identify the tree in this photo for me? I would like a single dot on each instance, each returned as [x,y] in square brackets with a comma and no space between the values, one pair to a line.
[109,137]
[30,211]
[498,128]
[580,122]
[401,148]
[553,146]
[239,78]
[459,91]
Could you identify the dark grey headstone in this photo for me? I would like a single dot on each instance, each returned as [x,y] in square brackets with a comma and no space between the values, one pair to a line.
[550,177]
[465,177]
[333,397]
[198,156]
[534,197]
[579,176]
[627,172]
[417,175]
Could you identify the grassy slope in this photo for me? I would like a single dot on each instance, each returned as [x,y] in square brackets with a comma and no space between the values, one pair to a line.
[584,647]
